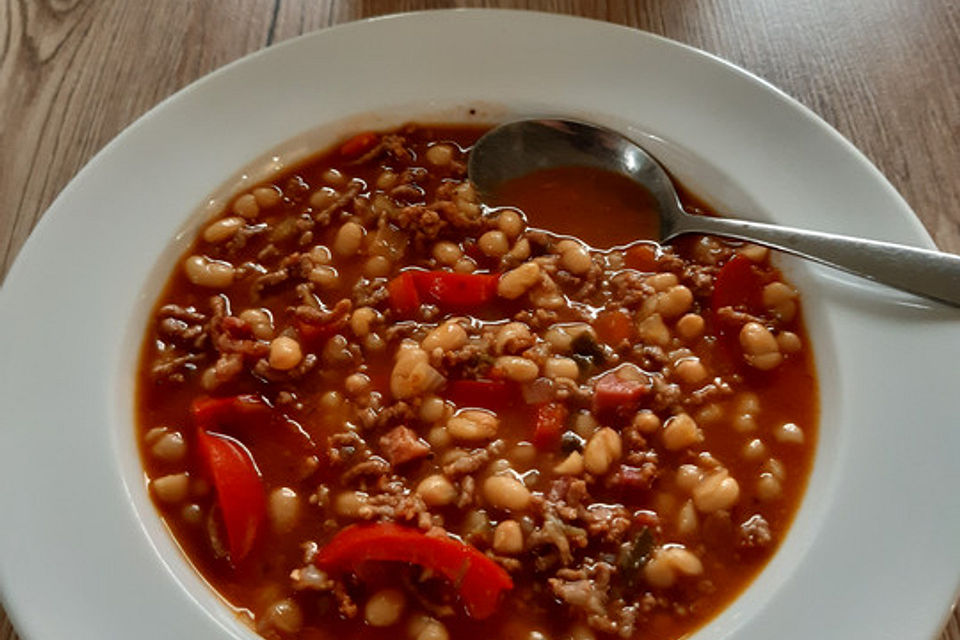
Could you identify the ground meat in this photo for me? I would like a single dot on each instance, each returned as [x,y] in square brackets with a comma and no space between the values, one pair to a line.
[457,204]
[311,578]
[227,367]
[715,391]
[587,591]
[370,293]
[402,444]
[175,368]
[325,215]
[607,521]
[240,239]
[467,492]
[348,608]
[754,533]
[184,327]
[565,497]
[396,506]
[666,395]
[325,321]
[231,335]
[472,360]
[373,467]
[639,475]
[378,418]
[263,369]
[538,318]
[699,278]
[347,448]
[733,317]
[474,460]
[562,537]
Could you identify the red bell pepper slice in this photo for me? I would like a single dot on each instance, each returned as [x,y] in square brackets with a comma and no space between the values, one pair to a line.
[458,290]
[613,393]
[613,327]
[229,410]
[550,418]
[738,285]
[240,493]
[478,579]
[495,395]
[404,298]
[359,144]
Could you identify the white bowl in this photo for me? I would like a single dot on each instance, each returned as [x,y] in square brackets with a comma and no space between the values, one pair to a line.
[873,551]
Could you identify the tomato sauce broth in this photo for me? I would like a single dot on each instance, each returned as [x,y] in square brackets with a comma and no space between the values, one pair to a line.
[609,214]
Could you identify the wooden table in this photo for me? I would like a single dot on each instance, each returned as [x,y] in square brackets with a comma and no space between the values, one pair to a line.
[885,73]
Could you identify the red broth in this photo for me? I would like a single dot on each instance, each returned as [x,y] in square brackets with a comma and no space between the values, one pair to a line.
[626,437]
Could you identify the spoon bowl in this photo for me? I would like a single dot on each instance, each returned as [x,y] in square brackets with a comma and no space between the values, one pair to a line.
[515,149]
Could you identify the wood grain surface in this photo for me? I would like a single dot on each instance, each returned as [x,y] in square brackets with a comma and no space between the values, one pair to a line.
[74,73]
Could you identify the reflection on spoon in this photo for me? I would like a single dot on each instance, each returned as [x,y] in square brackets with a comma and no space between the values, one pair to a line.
[517,149]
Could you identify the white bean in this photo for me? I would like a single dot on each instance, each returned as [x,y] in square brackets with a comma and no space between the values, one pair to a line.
[285,353]
[473,425]
[348,239]
[516,282]
[517,368]
[172,488]
[448,336]
[494,244]
[284,509]
[436,491]
[602,450]
[508,538]
[506,492]
[716,492]
[204,272]
[222,229]
[681,431]
[385,607]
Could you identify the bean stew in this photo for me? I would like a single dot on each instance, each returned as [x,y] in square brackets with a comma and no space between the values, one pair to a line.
[370,405]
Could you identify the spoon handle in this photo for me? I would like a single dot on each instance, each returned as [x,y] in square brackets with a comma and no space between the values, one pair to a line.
[927,273]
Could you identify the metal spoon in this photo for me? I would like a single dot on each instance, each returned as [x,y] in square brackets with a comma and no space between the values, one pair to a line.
[515,149]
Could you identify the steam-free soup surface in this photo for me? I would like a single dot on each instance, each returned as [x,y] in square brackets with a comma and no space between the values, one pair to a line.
[370,406]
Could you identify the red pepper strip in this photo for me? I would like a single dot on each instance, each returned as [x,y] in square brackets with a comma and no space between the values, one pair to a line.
[359,144]
[404,298]
[613,393]
[456,289]
[738,285]
[482,394]
[243,410]
[549,422]
[477,578]
[240,492]
[613,327]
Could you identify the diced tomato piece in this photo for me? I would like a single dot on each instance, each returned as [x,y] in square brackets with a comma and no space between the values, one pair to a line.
[404,298]
[482,394]
[641,257]
[456,290]
[613,327]
[359,144]
[239,490]
[613,393]
[239,410]
[479,580]
[550,418]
